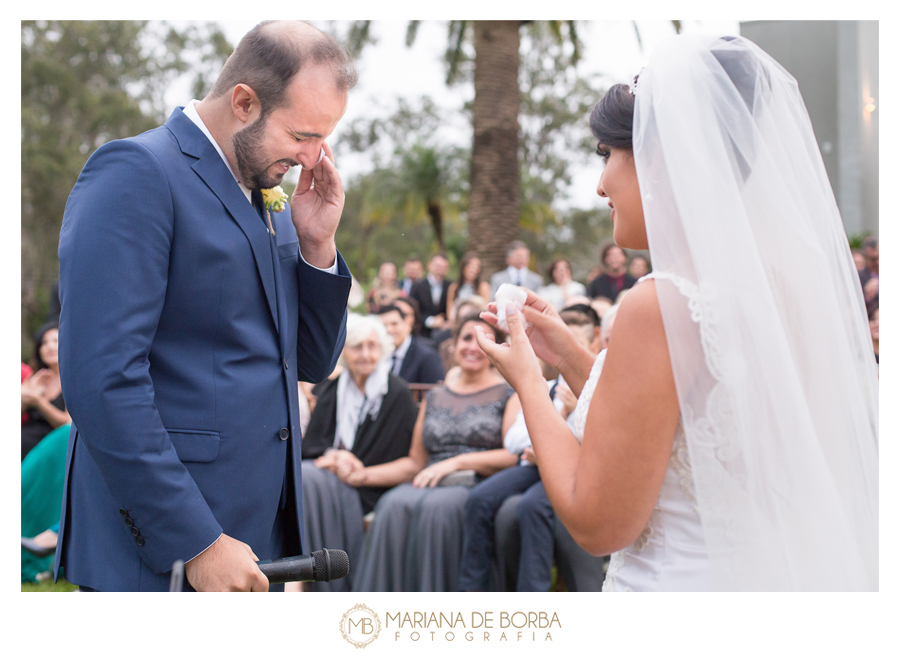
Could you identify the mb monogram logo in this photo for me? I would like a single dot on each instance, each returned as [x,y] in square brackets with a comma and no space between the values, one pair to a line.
[360,626]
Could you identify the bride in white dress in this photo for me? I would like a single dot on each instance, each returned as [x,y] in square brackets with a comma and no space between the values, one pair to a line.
[730,436]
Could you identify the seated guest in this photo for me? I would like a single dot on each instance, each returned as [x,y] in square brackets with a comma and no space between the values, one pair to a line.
[534,518]
[517,273]
[415,540]
[872,309]
[870,256]
[561,288]
[639,267]
[412,272]
[26,373]
[431,294]
[412,359]
[363,417]
[412,316]
[42,397]
[606,325]
[468,284]
[384,288]
[870,290]
[43,472]
[601,305]
[615,277]
[443,339]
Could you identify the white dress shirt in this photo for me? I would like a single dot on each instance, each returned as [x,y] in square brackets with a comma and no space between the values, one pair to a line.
[437,289]
[517,276]
[400,354]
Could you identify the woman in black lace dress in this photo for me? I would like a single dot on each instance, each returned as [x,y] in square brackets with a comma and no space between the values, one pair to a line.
[42,398]
[415,541]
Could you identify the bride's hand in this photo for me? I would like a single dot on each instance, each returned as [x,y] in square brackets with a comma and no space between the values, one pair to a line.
[551,340]
[516,361]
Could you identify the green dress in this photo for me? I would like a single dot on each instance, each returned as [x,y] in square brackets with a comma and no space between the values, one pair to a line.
[43,473]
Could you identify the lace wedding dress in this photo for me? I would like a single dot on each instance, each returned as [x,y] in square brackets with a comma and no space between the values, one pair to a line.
[670,553]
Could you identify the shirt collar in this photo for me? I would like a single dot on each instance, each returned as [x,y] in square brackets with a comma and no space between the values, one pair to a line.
[190,111]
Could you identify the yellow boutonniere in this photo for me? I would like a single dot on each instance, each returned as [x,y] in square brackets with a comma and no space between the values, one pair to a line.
[274,199]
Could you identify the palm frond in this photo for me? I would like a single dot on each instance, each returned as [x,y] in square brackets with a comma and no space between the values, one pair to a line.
[576,43]
[358,36]
[411,31]
[457,35]
[637,34]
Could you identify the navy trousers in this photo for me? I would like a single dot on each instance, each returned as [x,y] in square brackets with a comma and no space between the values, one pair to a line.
[512,536]
[485,499]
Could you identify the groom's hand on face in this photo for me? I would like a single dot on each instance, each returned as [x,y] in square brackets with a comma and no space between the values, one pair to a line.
[316,207]
[228,565]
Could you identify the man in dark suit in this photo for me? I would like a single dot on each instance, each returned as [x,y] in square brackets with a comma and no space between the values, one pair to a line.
[184,331]
[412,272]
[412,359]
[615,277]
[431,294]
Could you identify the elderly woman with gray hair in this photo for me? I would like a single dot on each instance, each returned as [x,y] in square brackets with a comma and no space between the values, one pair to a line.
[363,417]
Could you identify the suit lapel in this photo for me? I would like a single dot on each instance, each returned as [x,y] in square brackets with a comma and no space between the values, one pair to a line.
[215,174]
[406,367]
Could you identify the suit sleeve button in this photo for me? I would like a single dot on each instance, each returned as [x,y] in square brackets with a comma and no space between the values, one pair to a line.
[139,541]
[129,522]
[285,364]
[135,531]
[123,512]
[283,433]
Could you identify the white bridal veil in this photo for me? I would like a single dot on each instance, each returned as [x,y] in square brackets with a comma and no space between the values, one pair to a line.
[772,354]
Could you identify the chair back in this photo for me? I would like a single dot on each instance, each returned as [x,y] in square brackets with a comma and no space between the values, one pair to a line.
[419,390]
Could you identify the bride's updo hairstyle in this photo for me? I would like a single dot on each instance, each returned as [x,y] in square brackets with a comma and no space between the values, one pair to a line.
[612,117]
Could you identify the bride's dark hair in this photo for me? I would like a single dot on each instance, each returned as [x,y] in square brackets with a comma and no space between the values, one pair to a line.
[612,117]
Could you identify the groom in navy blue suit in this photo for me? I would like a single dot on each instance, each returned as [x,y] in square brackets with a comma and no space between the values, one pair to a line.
[189,313]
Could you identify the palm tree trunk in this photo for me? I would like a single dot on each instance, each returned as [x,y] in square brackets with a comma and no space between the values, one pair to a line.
[494,197]
[436,214]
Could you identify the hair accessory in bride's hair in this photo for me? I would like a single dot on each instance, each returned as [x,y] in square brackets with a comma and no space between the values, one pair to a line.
[633,86]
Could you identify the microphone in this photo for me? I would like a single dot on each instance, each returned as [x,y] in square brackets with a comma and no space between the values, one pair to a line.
[319,566]
[177,577]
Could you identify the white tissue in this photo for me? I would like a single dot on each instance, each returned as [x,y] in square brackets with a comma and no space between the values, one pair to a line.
[321,155]
[508,293]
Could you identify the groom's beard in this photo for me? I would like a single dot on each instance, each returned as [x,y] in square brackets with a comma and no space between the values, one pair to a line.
[252,167]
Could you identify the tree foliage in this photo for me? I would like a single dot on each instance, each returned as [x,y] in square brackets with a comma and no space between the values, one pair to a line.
[409,154]
[553,126]
[418,179]
[85,83]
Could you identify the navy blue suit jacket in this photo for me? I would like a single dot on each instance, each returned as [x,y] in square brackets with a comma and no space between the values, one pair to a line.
[183,332]
[421,364]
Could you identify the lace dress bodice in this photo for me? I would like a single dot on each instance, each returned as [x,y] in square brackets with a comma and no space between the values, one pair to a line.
[670,553]
[457,423]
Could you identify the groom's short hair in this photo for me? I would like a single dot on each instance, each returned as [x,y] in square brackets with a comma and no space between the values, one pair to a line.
[273,52]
